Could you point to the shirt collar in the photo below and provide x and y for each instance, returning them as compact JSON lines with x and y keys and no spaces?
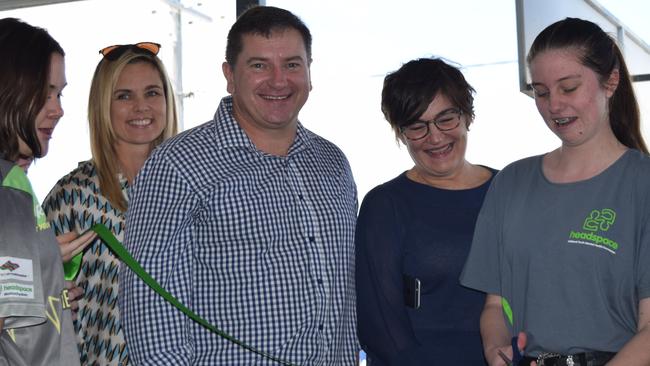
{"x":229,"y":134}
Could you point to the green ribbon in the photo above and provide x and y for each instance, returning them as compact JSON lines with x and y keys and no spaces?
{"x":507,"y":309}
{"x":71,"y":268}
{"x":126,"y":258}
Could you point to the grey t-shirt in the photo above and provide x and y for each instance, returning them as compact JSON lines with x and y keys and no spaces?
{"x":38,"y":328}
{"x":572,"y":260}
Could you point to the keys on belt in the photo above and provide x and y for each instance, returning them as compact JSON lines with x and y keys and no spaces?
{"x":580,"y":359}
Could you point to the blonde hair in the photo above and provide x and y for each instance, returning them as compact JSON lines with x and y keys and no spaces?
{"x":102,"y":136}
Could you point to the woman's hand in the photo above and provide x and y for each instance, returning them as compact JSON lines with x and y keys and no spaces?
{"x":72,"y":244}
{"x":74,"y":294}
{"x":502,"y":356}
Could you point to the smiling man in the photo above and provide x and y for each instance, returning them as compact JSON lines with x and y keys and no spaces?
{"x":248,"y":219}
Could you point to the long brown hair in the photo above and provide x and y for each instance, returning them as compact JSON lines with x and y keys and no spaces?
{"x":25,"y":52}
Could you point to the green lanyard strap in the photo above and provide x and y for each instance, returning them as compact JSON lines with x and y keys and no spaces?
{"x":121,"y":252}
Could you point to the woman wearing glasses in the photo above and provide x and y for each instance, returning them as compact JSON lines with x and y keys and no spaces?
{"x":131,"y":110}
{"x":414,"y":232}
{"x":562,"y":244}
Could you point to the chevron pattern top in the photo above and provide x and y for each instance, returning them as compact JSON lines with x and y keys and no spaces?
{"x":76,"y":203}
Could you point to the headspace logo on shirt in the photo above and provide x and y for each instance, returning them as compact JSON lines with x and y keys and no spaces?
{"x":12,"y":268}
{"x":597,"y":220}
{"x":14,"y":289}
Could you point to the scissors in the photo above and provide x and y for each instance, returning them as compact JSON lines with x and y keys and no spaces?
{"x":505,"y":358}
{"x":517,"y":356}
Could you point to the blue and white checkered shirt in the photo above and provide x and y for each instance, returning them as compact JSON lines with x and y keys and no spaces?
{"x":261,"y":246}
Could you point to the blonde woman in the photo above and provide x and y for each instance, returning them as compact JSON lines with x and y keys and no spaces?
{"x":131,"y":110}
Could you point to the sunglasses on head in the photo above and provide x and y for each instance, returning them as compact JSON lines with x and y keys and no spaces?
{"x":114,"y":52}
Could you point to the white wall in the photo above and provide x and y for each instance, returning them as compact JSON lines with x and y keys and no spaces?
{"x":355,"y":44}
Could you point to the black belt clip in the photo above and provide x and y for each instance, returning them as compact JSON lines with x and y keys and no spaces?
{"x":579,"y":359}
{"x":556,"y":359}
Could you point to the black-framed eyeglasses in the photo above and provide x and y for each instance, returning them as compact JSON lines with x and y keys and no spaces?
{"x":114,"y":52}
{"x":446,"y":121}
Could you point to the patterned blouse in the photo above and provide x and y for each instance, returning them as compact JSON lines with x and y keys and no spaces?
{"x":76,"y":203}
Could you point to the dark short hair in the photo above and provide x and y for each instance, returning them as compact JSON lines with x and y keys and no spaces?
{"x":263,"y":20}
{"x":25,"y":52}
{"x":408,"y":91}
{"x":598,"y":51}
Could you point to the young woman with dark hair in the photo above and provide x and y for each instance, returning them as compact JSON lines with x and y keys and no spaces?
{"x":35,"y":309}
{"x":562,"y":246}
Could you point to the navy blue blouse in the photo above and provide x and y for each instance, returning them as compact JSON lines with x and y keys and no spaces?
{"x":408,"y":228}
